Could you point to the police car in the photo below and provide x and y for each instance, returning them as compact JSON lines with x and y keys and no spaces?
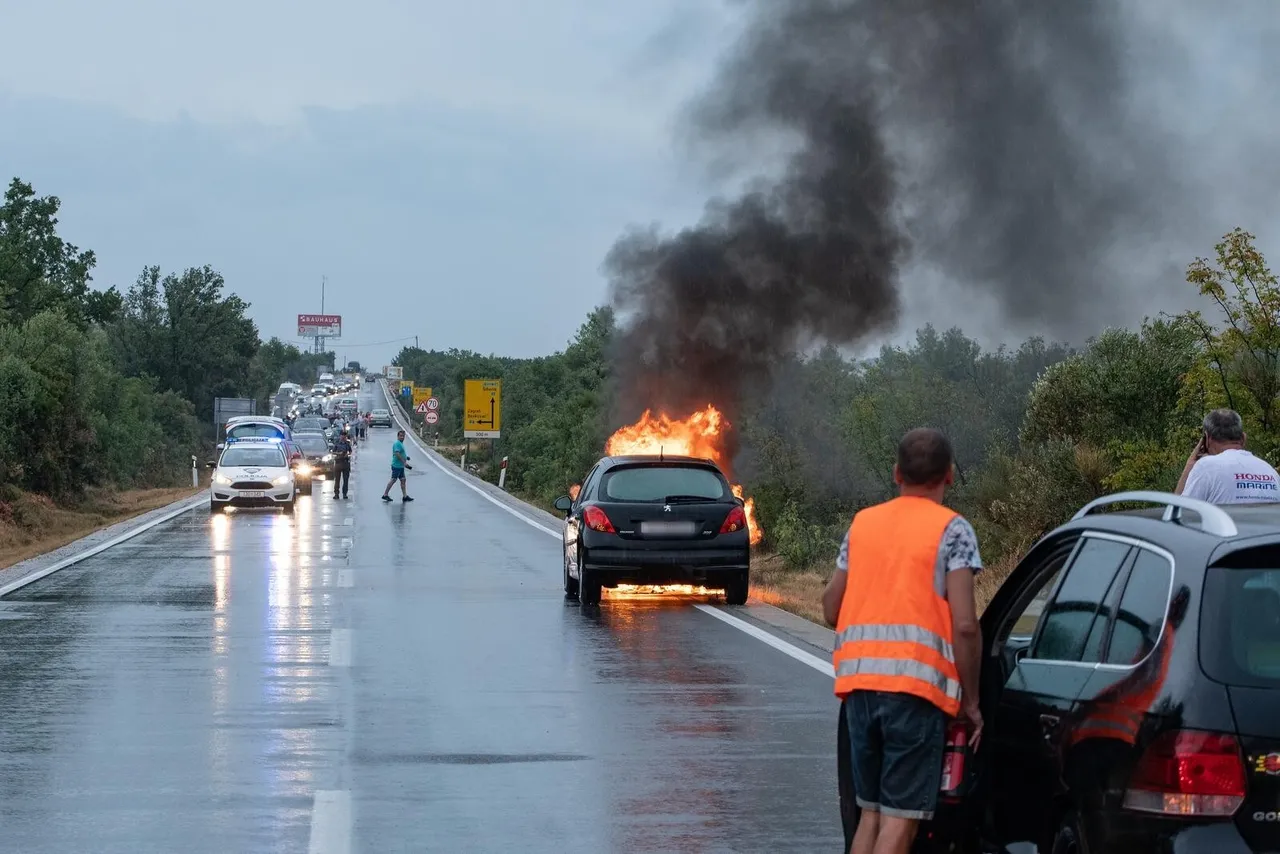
{"x":252,"y":472}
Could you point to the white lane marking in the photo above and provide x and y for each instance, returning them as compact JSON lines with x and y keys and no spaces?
{"x":340,"y":648}
{"x":346,"y":542}
{"x":347,"y":522}
{"x":819,"y":664}
{"x":330,"y":822}
{"x":101,"y":547}
{"x":346,"y":578}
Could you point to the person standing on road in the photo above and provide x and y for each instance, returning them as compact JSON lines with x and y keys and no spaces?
{"x":341,"y":464}
{"x":399,"y":462}
{"x":908,"y":643}
{"x":1221,"y":471}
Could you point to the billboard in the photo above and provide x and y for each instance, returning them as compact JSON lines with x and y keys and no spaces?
{"x":393,"y":372}
{"x":327,"y":325}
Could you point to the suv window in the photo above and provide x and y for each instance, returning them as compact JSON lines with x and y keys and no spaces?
{"x":1068,"y":624}
{"x":656,"y":483}
{"x":1240,"y":620}
{"x":1142,"y":610}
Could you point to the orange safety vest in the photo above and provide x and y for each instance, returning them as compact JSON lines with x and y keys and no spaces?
{"x":894,"y":632}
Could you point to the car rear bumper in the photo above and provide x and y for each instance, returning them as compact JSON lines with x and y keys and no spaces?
{"x":666,"y":566}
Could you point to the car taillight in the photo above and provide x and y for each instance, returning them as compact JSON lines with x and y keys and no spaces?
{"x":735,"y":521}
{"x":1189,"y":773}
{"x":596,"y":520}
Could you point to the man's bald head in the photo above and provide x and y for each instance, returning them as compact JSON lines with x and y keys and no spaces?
{"x":924,"y":457}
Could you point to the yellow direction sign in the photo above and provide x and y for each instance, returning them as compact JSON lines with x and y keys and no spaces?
{"x":482,"y":409}
{"x":420,"y":395}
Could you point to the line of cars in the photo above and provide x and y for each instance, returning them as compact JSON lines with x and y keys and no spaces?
{"x":266,"y":461}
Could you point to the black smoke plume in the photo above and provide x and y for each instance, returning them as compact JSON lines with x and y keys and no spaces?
{"x":994,"y":141}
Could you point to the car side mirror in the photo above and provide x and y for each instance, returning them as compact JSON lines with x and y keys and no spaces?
{"x":211,"y":464}
{"x":564,"y":504}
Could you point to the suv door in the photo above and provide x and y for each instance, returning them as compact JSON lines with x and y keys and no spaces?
{"x":1051,"y":650}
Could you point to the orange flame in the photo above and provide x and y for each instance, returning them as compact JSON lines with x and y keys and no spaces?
{"x":699,"y":435}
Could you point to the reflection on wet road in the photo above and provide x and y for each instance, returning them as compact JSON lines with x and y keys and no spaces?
{"x":386,"y":678}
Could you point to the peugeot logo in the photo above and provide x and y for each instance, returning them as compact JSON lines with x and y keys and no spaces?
{"x":666,"y":508}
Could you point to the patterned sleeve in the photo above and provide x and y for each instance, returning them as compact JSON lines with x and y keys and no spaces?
{"x":960,"y":546}
{"x":842,"y":559}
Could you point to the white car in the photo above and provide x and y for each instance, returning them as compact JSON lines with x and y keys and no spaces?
{"x":252,"y":472}
{"x":380,"y":418}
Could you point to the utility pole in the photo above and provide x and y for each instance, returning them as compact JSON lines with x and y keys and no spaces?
{"x":320,"y":338}
{"x":415,"y":342}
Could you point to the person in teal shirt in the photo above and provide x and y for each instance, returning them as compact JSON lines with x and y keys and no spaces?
{"x":399,"y":462}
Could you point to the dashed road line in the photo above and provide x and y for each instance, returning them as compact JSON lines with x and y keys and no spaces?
{"x":330,"y":822}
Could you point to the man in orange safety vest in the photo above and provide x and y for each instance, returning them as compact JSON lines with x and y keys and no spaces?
{"x":908,"y":646}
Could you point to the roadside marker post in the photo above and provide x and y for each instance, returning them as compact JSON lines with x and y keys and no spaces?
{"x":502,"y":474}
{"x":195,"y":473}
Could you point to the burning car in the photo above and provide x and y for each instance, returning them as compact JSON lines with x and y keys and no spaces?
{"x":655,"y":520}
{"x":659,"y":509}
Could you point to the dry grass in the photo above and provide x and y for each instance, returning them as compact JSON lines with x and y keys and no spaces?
{"x":796,"y":590}
{"x":800,"y":590}
{"x":32,"y":525}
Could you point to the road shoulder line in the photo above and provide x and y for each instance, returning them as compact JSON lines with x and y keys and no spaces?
{"x":32,"y":570}
{"x":792,"y":635}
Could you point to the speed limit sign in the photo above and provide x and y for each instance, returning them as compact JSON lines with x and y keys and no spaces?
{"x":431,"y":418}
{"x":433,"y":403}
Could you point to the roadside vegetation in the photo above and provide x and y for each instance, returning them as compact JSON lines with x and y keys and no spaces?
{"x":1039,"y":428}
{"x":104,"y":392}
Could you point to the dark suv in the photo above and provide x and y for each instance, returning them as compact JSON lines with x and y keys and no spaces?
{"x":655,"y":520}
{"x":1130,"y":689}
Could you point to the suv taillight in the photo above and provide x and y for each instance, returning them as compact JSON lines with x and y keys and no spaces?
{"x":595,"y":519}
{"x":735,"y":521}
{"x":1189,"y":773}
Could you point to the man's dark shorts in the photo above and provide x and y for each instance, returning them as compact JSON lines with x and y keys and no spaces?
{"x":896,"y":741}
{"x":397,"y":473}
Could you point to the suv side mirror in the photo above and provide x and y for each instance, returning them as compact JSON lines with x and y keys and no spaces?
{"x":211,"y":464}
{"x":564,"y":504}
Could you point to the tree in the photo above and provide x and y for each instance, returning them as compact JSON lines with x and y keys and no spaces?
{"x":183,"y":331}
{"x":39,"y":270}
{"x":1239,"y":362}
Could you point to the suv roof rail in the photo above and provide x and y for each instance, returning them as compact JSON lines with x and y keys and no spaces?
{"x":1213,"y":519}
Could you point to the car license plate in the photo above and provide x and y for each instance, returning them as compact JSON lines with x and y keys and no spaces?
{"x":253,"y":494}
{"x":667,"y":529}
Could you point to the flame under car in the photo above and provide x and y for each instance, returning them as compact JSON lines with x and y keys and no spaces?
{"x":655,"y":520}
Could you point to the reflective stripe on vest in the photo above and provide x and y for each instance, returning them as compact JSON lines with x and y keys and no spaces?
{"x":894,"y":630}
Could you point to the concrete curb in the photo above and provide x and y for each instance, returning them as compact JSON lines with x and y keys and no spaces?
{"x":33,"y":569}
{"x":795,"y":628}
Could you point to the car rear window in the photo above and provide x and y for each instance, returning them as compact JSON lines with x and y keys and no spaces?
{"x":1240,"y":623}
{"x":658,"y":483}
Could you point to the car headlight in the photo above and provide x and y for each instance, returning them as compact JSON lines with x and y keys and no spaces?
{"x":222,"y":479}
{"x":283,"y":480}
{"x":328,"y":458}
{"x":305,"y":468}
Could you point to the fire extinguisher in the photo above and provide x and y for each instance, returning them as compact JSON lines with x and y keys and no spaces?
{"x":954,"y":756}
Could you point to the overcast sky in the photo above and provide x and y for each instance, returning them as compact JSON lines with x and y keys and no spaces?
{"x":459,"y":170}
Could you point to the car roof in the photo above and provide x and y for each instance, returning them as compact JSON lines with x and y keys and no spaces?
{"x":629,"y":459}
{"x":1182,"y":522}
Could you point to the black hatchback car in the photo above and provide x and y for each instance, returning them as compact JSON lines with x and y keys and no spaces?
{"x":1130,"y":689}
{"x":652,"y":520}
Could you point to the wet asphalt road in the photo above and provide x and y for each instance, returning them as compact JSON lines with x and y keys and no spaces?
{"x":391,"y":678}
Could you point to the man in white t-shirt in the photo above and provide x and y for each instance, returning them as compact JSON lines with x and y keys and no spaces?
{"x":1221,"y":471}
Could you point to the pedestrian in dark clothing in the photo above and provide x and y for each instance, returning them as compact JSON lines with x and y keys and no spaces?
{"x":341,"y":465}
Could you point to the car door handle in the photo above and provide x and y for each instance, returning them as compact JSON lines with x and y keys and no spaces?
{"x":1049,"y":726}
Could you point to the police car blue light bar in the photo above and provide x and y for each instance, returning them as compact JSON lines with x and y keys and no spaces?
{"x":255,"y":439}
